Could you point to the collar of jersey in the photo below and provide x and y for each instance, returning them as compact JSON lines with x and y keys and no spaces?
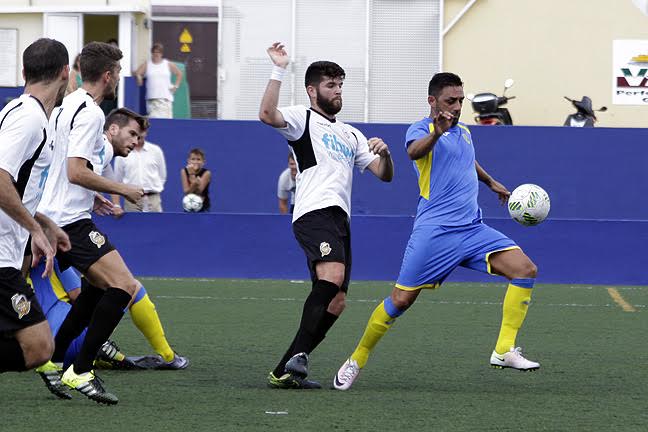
{"x":315,"y":111}
{"x":39,"y":103}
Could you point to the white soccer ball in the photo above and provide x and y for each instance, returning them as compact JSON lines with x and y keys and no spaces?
{"x":529,"y":204}
{"x":192,"y":203}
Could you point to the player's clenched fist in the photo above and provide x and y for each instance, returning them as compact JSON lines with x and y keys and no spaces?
{"x":378,"y":146}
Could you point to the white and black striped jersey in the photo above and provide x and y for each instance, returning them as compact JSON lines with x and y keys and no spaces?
{"x":78,"y":125}
{"x":326,"y":152}
{"x":25,"y":153}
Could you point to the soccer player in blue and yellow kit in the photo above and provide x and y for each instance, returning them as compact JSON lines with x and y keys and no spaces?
{"x":449,"y":231}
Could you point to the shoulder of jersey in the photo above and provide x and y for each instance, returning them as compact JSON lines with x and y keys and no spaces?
{"x":463,"y":126}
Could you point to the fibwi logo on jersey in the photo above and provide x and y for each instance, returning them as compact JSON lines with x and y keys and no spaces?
{"x":337,"y":149}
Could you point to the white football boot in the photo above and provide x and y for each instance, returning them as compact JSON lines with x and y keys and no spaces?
{"x":346,"y":375}
{"x":514,"y":360}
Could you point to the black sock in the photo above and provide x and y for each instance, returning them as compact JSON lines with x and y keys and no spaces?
{"x":12,"y":358}
{"x":77,"y":319}
{"x":314,"y":310}
{"x":280,"y":369}
{"x":325,"y":324}
{"x":107,"y":315}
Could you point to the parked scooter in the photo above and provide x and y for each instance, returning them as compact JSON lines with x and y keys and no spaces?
{"x":488,"y":107}
{"x":584,"y":115}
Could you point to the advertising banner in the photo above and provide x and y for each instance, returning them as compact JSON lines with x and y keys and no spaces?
{"x":630,"y":72}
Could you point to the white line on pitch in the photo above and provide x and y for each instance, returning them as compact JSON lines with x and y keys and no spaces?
{"x":291,"y":299}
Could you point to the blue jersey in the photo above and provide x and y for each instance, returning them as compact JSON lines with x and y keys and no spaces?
{"x":447,"y":177}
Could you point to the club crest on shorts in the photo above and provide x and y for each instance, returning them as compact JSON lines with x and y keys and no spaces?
{"x":21,"y":305}
{"x":325,"y":249}
{"x":97,"y":238}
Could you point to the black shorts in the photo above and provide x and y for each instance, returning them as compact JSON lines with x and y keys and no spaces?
{"x":325,"y":235}
{"x":88,"y":245}
{"x":19,"y":307}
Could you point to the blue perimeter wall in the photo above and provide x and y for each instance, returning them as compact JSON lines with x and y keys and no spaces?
{"x":589,"y":173}
{"x":597,"y":232}
{"x":262,"y":246}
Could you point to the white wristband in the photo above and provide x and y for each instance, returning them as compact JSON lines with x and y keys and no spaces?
{"x":277,"y":73}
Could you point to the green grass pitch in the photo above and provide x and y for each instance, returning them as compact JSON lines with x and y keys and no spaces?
{"x":429,"y":373}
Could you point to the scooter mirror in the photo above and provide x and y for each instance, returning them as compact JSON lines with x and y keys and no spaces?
{"x":603,"y":109}
{"x":470,"y":96}
{"x":509,"y":83}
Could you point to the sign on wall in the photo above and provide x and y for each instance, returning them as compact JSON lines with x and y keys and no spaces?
{"x":8,"y":57}
{"x":630,"y":72}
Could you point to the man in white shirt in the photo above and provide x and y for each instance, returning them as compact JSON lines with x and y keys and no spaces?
{"x":159,"y":90}
{"x":326,"y":151}
{"x":145,"y":167}
{"x":69,"y":198}
{"x":286,"y":186}
{"x":25,"y":155}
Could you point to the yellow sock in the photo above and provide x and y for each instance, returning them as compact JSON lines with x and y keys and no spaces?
{"x":146,"y":319}
{"x":379,"y":322}
{"x":516,"y":303}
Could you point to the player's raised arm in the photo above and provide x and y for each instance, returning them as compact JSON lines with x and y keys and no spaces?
{"x":268,"y":112}
{"x":419,"y":148}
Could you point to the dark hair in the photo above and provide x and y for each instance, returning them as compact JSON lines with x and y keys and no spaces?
{"x":197,"y":151}
{"x":157,"y":46}
{"x":291,"y":156}
{"x":320,"y":69}
{"x":44,"y":60}
{"x":122,"y":116}
{"x":112,"y":41}
{"x":97,"y":58}
{"x":442,"y":80}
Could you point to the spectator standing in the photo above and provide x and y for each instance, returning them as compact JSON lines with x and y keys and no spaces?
{"x":159,"y":90}
{"x":286,"y":186}
{"x":145,"y":167}
{"x":196,"y":178}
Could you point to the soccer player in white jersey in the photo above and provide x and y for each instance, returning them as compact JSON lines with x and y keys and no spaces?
{"x":326,"y":151}
{"x":25,"y":156}
{"x":69,"y":198}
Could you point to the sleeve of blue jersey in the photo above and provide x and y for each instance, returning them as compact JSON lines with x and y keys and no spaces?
{"x":416,"y":131}
{"x":69,"y":278}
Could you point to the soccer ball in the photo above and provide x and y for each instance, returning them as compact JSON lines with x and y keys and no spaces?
{"x":529,"y":204}
{"x":192,"y":203}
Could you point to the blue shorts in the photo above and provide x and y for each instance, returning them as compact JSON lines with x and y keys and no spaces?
{"x":434,"y":251}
